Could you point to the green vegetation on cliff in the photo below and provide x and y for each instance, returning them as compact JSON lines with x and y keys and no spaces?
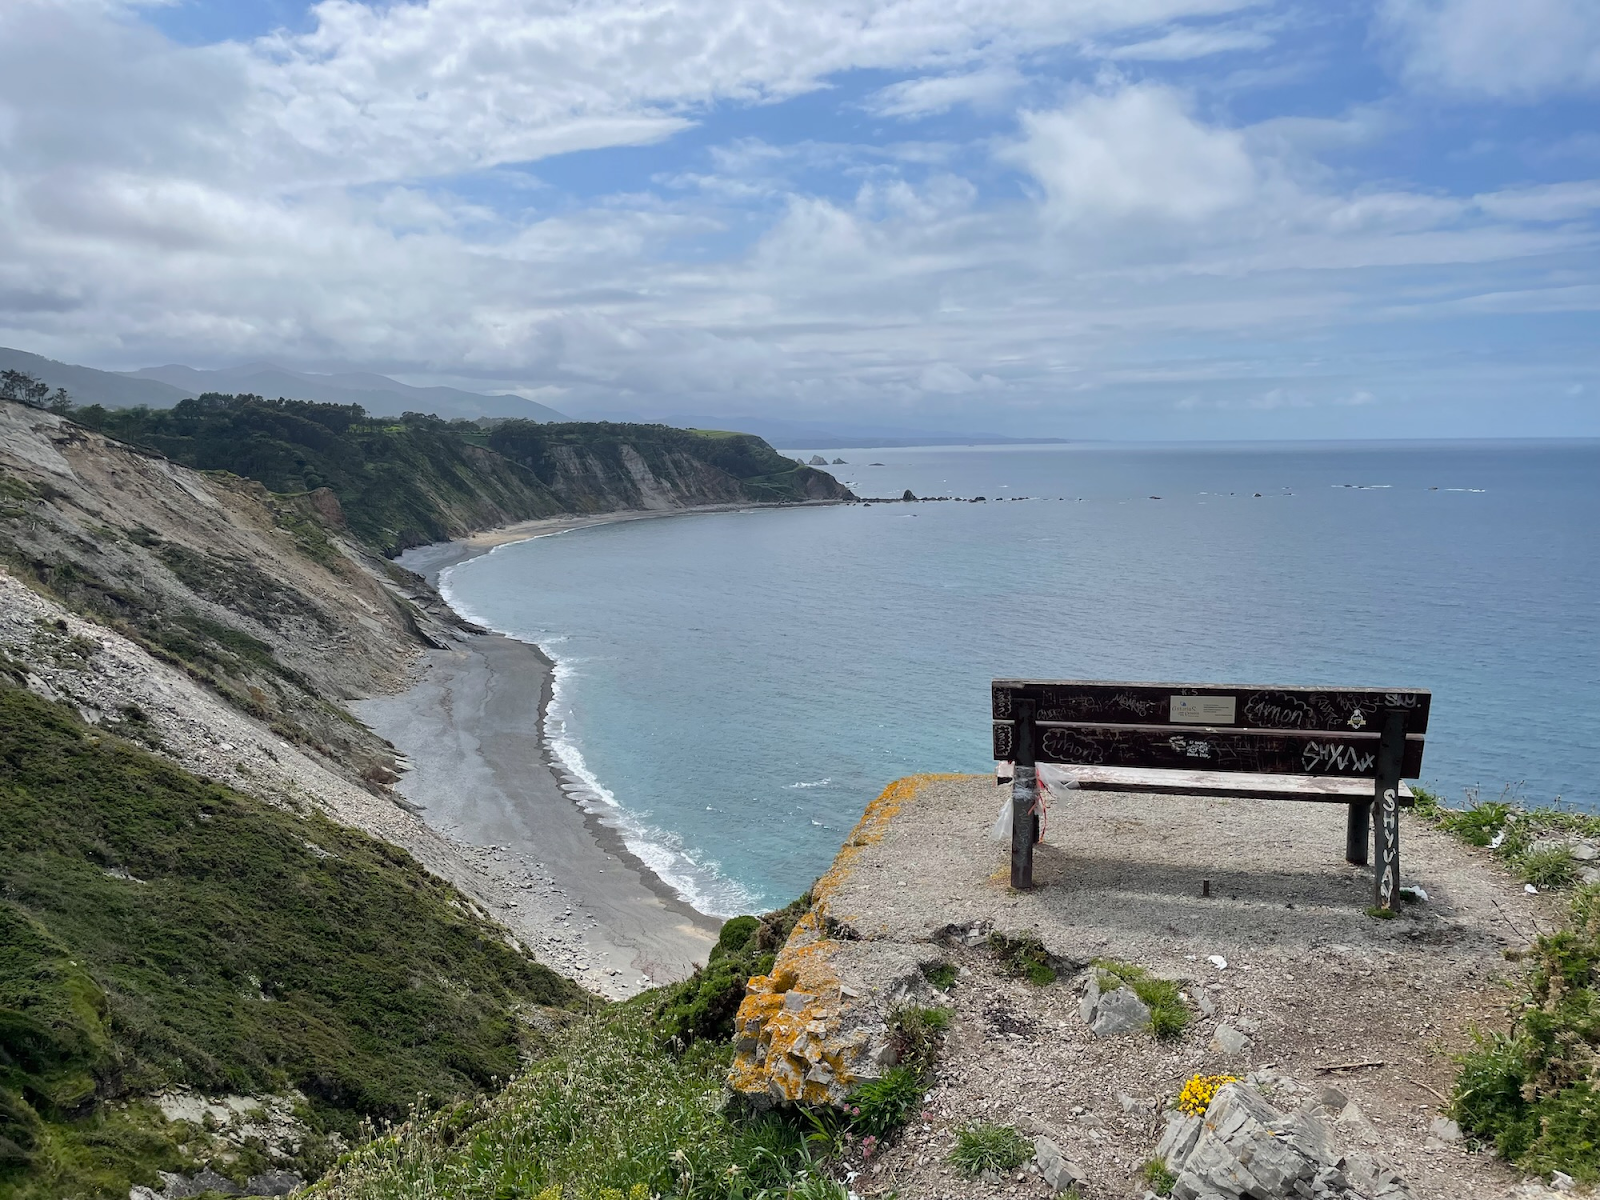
{"x":420,"y":479}
{"x":158,"y":930}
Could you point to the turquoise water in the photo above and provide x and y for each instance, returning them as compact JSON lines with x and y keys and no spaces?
{"x":735,"y":687}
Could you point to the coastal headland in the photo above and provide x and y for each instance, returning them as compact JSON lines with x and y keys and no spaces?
{"x":1282,"y":976}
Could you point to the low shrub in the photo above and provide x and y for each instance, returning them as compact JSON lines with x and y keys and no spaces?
{"x":984,"y":1147}
{"x":703,"y":1006}
{"x":917,"y":1033}
{"x":941,"y":974}
{"x":1200,"y":1090}
{"x":880,"y":1108}
{"x":1023,"y":957}
{"x":1529,"y":1093}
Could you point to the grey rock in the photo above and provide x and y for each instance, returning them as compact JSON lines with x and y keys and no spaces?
{"x":1585,"y":852}
{"x":1247,"y":1148}
{"x":1445,"y":1130}
{"x":1178,"y":1139}
{"x":1354,"y":1123}
{"x":1134,"y":1106}
{"x":1057,"y":1169}
{"x":1230,"y":1041}
{"x":1119,"y":1011}
{"x":136,"y":1192}
{"x":177,"y":1187}
{"x":1561,"y":1181}
{"x":273,"y":1183}
{"x":1589,"y":875}
{"x":209,"y":1181}
{"x":1090,"y":1001}
{"x":1206,"y":1005}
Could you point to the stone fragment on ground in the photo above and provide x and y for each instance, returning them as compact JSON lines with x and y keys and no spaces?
{"x":1230,"y":1042}
{"x":1109,"y":1013}
{"x":1246,"y":1148}
{"x":1055,"y":1168}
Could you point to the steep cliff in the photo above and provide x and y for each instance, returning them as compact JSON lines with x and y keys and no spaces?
{"x":419,"y":479}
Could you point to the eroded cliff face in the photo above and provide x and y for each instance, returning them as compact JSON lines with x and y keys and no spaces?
{"x":260,"y":598}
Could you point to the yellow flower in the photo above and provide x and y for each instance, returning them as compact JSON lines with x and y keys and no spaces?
{"x":1198,"y":1093}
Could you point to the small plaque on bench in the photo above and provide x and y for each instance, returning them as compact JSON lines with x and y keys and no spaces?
{"x":1202,"y":710}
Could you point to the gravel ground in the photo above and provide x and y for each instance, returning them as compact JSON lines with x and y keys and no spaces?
{"x":1311,"y":980}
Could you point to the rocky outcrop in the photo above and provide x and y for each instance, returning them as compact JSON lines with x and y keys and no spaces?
{"x":814,"y":1026}
{"x":1245,"y":1149}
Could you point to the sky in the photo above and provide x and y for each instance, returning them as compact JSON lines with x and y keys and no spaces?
{"x":1147,"y":219}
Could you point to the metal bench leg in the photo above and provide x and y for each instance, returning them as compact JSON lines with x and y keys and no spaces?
{"x":1356,"y":827}
{"x":1386,"y":809}
{"x":1024,"y":796}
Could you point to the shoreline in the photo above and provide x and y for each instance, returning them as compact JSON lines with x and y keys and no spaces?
{"x":464,"y":727}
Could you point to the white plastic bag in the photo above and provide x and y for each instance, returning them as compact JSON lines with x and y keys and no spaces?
{"x":1053,"y":778}
{"x":1001,"y":831}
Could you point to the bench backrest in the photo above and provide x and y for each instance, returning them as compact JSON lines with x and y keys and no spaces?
{"x":1211,"y":727}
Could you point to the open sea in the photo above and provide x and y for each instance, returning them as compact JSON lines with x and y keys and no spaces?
{"x":734,"y":688}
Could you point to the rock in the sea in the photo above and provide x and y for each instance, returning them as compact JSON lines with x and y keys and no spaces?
{"x":839,"y":462}
{"x":1248,"y":1149}
{"x":817,"y":461}
{"x":908,"y":495}
{"x":1055,"y":1168}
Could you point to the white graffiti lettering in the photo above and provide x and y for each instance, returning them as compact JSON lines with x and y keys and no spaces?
{"x":1320,"y":757}
{"x":1190,"y":748}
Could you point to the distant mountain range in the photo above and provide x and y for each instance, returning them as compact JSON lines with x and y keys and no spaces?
{"x":163,"y":387}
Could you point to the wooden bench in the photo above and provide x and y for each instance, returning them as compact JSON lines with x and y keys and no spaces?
{"x":1350,"y":746}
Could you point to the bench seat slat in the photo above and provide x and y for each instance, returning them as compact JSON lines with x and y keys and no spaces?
{"x":1314,"y":788}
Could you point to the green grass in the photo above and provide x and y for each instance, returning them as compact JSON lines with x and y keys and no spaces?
{"x":605,"y":1110}
{"x":942,"y":975}
{"x":984,"y":1147}
{"x":1023,"y":956}
{"x":1169,"y":1015}
{"x":881,"y":1107}
{"x":236,"y":959}
{"x":1513,"y":832}
{"x":1157,"y":1177}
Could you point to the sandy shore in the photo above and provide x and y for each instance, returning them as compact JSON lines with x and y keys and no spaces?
{"x":472,"y":728}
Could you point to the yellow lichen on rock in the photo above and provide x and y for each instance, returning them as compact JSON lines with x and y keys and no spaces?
{"x":798,"y":1035}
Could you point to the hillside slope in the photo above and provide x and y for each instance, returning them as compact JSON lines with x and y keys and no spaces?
{"x":159,"y":931}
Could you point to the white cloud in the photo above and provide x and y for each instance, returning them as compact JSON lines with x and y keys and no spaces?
{"x":322,"y":200}
{"x":1136,"y":153}
{"x":1544,"y":202}
{"x":1182,"y":44}
{"x":1516,"y":49}
{"x":939,"y":93}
